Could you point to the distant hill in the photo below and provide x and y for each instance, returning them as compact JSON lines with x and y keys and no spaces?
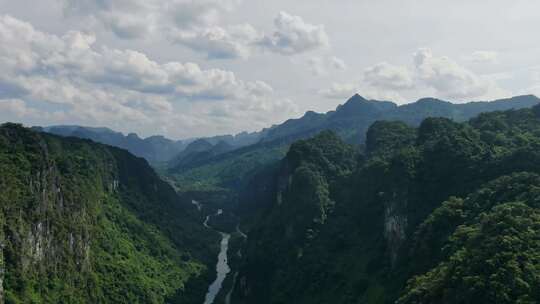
{"x":155,"y":149}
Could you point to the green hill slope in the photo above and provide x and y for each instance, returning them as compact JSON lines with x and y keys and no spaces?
{"x":87,"y":223}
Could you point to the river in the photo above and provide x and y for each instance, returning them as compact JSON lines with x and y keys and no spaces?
{"x":222,"y":267}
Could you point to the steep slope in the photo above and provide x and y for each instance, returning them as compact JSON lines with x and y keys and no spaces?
{"x":446,"y":213}
{"x":88,"y":223}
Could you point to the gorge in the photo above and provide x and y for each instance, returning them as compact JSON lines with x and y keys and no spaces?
{"x":370,"y":222}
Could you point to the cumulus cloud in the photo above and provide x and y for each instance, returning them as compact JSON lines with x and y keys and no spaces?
{"x":127,"y":19}
{"x":389,"y":76}
{"x":130,"y":19}
{"x":101,"y":85}
{"x":293,"y":36}
{"x":428,"y":75}
{"x":447,"y":77}
{"x":195,"y":24}
{"x":197,"y":13}
{"x":220,"y":43}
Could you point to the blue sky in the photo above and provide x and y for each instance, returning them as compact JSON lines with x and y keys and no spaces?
{"x":186,"y":68}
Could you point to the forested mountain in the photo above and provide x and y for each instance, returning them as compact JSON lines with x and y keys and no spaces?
{"x":88,"y":223}
{"x":350,"y":121}
{"x":155,"y":149}
{"x":199,"y":151}
{"x":444,"y":213}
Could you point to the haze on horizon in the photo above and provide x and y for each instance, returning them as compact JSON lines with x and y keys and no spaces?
{"x":190,"y":68}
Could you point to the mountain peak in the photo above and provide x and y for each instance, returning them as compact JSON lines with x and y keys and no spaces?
{"x":356,"y":98}
{"x":358,"y":105}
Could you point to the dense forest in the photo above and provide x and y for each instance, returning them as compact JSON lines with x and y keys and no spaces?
{"x":87,"y":223}
{"x":444,"y":213}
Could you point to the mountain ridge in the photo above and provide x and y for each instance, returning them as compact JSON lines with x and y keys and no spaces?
{"x":218,"y":170}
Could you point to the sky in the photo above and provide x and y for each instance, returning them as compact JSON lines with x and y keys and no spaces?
{"x":191,"y":68}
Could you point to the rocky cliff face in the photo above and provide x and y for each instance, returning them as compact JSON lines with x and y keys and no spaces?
{"x":78,"y":227}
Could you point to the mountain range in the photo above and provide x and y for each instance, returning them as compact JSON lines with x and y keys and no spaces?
{"x":155,"y":149}
{"x":233,"y":169}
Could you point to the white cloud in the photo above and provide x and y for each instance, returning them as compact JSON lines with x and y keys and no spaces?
{"x":130,"y":19}
{"x":338,"y":63}
{"x":384,"y":75}
{"x":293,"y":36}
{"x":428,"y":76}
{"x":127,"y":19}
{"x":197,"y":13}
{"x":101,"y":85}
{"x":196,"y":25}
{"x":12,"y":107}
{"x":319,"y":66}
{"x":220,"y":43}
{"x":489,"y":57}
{"x":448,"y":78}
{"x":339,"y":90}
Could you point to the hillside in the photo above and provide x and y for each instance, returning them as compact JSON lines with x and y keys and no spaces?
{"x":444,"y":213}
{"x":88,"y":223}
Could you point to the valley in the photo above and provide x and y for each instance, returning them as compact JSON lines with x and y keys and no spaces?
{"x":321,"y":208}
{"x":269,"y":152}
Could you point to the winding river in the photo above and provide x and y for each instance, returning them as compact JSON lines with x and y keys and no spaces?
{"x":222,"y":267}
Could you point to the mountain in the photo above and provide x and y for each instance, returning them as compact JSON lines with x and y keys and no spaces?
{"x":198,"y":152}
{"x":155,"y":149}
{"x":88,"y":223}
{"x":445,"y":212}
{"x":350,"y":121}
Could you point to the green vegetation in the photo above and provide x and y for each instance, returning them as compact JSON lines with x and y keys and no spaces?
{"x":232,"y":171}
{"x":87,"y":223}
{"x":228,"y":171}
{"x":445,"y":213}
